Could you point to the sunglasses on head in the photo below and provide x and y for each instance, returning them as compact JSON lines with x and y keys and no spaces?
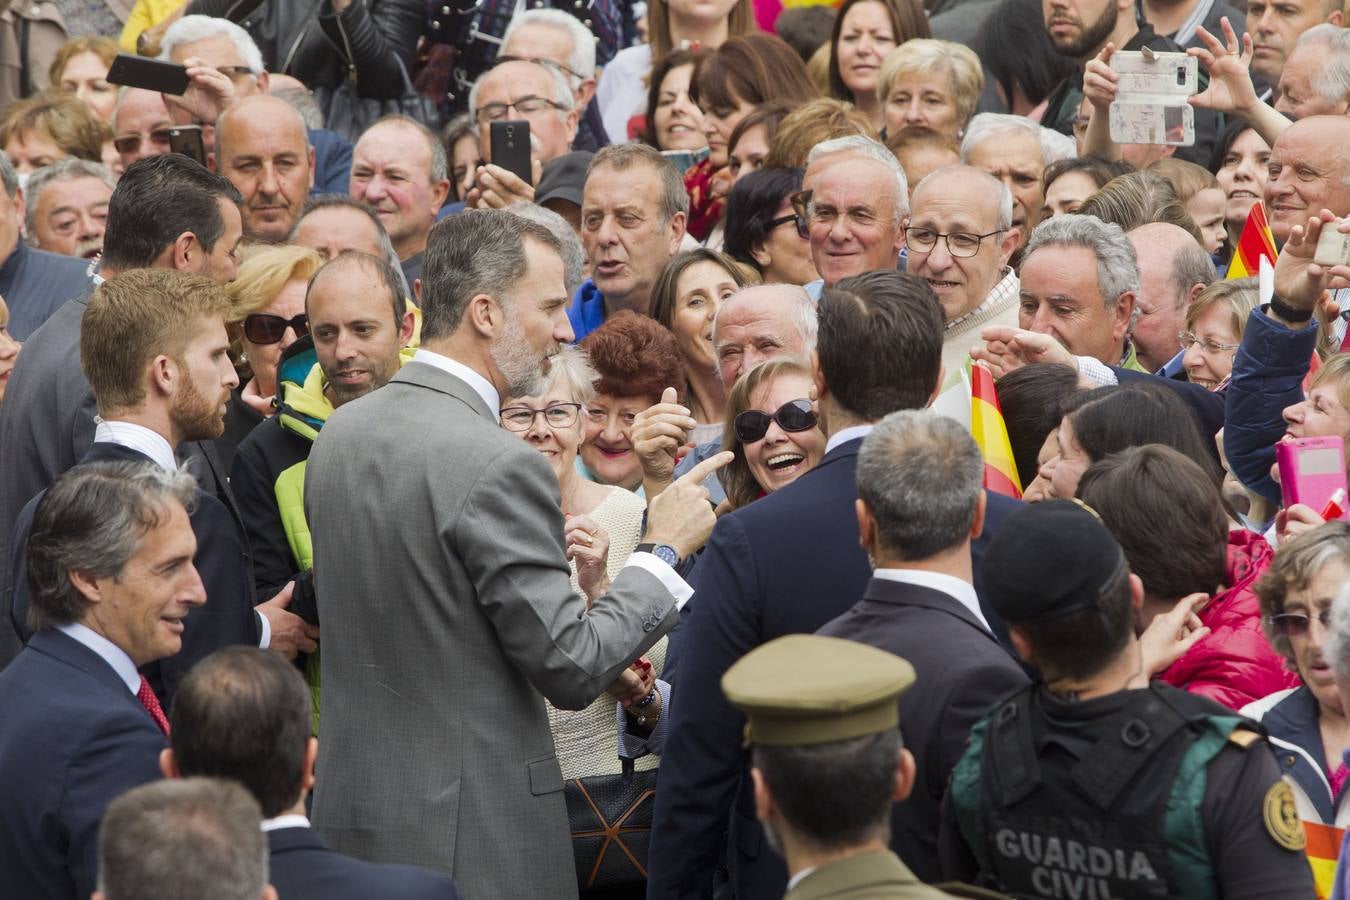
{"x":130,"y":143}
{"x":795,"y":415}
{"x":265,"y":328}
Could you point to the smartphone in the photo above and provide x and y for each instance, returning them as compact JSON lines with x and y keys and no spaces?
{"x":148,"y":74}
{"x":511,"y":148}
{"x":1311,"y":470}
{"x":187,"y":140}
{"x":1333,"y":247}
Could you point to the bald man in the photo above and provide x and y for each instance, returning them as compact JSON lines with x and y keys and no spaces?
{"x":1173,"y":270}
{"x":1309,"y":172}
{"x":262,"y":148}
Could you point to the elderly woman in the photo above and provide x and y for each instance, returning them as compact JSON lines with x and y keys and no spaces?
{"x":763,"y":231}
{"x":48,"y":127}
{"x":1215,"y":321}
{"x":685,"y":299}
{"x":772,"y":427}
{"x":637,"y":360}
{"x":267,"y":315}
{"x":9,"y":349}
{"x":1308,"y":726}
{"x":931,"y":83}
{"x":865,"y":31}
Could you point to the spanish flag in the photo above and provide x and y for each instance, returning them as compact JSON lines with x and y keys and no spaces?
{"x":991,"y":434}
{"x":1323,"y":848}
{"x":1255,"y":242}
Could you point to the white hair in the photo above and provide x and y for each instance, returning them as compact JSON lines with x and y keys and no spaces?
{"x":562,"y":92}
{"x":1117,"y":262}
{"x":572,"y":253}
{"x":1331,"y":80}
{"x":863,"y":145}
{"x":190,"y":29}
{"x":582,"y":57}
{"x":1002,"y":196}
{"x":68,"y":169}
{"x":1054,"y":146}
{"x":798,"y":304}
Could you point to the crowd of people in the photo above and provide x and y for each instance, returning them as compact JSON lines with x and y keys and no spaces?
{"x":616,"y":518}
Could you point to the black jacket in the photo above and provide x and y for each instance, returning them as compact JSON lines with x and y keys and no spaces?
{"x":301,"y":38}
{"x":302,"y":867}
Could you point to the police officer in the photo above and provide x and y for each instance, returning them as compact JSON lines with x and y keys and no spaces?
{"x":822,"y":716}
{"x":1093,"y":783}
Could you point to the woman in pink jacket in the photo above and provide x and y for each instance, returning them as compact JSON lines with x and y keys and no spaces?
{"x":1169,"y":517}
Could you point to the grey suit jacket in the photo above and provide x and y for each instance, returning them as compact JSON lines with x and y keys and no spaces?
{"x":448,"y":617}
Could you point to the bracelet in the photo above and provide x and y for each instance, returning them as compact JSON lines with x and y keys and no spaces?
{"x":1287,"y":312}
{"x":643,"y":720}
{"x":646,"y":701}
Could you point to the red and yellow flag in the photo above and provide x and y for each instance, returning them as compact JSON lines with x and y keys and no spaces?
{"x":1255,"y":242}
{"x":1324,"y":846}
{"x":991,"y":434}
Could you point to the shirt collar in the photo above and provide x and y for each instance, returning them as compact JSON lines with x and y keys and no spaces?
{"x":1007,"y":285}
{"x":481,"y":386}
{"x":962,"y":592}
{"x":109,"y":652}
{"x":848,"y":434}
{"x":138,"y":438}
{"x":797,"y":879}
{"x":295,"y":820}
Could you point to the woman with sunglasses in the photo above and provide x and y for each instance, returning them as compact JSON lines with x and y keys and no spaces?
{"x":772,"y":428}
{"x":268,"y":315}
{"x":1309,"y":728}
{"x":763,"y":231}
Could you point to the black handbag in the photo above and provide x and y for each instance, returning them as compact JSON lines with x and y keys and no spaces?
{"x":610,"y":818}
{"x":349,"y":114}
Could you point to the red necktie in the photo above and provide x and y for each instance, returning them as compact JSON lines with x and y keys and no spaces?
{"x":151,"y":704}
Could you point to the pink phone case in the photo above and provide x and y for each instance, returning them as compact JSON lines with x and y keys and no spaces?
{"x":1311,"y":470}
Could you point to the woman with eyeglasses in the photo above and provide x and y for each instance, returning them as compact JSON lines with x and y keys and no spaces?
{"x":763,"y":231}
{"x":1308,"y":725}
{"x":772,"y":427}
{"x":1214,"y":324}
{"x":268,"y":315}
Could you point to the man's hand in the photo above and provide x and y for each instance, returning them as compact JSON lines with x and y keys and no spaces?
{"x":154,"y":35}
{"x":659,"y":433}
{"x":1170,"y":635}
{"x":1229,"y":66}
{"x":209,"y":92}
{"x":1100,"y":80}
{"x":682,"y":516}
{"x":1008,"y":349}
{"x":290,"y":633}
{"x":497,"y":188}
{"x":588,"y":547}
{"x":1300,"y":282}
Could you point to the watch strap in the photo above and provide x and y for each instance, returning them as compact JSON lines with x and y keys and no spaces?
{"x":1287,"y":312}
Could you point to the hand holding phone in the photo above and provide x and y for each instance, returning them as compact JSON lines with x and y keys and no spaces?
{"x":1333,"y":246}
{"x":511,"y":148}
{"x":148,"y":74}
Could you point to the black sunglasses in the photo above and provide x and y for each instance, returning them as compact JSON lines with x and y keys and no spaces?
{"x":265,"y":328}
{"x":802,"y":231}
{"x":130,"y":143}
{"x":795,"y":415}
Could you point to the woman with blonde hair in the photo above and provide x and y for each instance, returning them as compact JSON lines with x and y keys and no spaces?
{"x":49,"y":127}
{"x":1215,"y":321}
{"x":772,"y":427}
{"x":80,"y":67}
{"x":931,"y":83}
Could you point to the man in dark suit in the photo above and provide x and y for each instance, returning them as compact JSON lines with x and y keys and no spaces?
{"x":166,"y":213}
{"x":154,"y":348}
{"x":789,"y":562}
{"x":919,"y":507}
{"x":244,"y":714}
{"x":110,"y":564}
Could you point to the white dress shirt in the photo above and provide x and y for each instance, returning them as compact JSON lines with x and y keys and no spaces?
{"x":109,"y":652}
{"x":848,"y":434}
{"x":677,"y":586}
{"x":294,"y":820}
{"x":963,"y":592}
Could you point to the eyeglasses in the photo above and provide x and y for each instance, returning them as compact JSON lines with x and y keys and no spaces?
{"x":802,"y":231}
{"x":553,"y":64}
{"x":1212,"y":347}
{"x":234,"y":73}
{"x":130,"y":143}
{"x":526,"y":106}
{"x":1296,"y":624}
{"x":557,"y":415}
{"x":960,"y":244}
{"x":793,"y":416}
{"x":265,"y":328}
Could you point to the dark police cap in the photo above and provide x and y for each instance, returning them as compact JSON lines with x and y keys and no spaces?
{"x":1050,"y":559}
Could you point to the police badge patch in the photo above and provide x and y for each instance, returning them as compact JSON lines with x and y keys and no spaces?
{"x":1281,"y":815}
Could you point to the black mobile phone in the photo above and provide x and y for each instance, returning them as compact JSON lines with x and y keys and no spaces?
{"x":187,"y":140}
{"x":148,"y":74}
{"x":511,"y":148}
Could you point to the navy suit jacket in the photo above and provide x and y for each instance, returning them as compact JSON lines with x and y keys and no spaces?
{"x":72,"y":738}
{"x":962,"y":671}
{"x":225,"y":619}
{"x":302,"y":867}
{"x":787,"y":563}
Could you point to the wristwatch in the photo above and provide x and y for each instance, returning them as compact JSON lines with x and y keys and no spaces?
{"x":664,"y":552}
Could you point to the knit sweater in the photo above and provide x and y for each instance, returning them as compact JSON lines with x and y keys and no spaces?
{"x":999,"y":308}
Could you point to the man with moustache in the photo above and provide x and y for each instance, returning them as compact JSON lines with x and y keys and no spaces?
{"x":452,"y":683}
{"x":154,"y":348}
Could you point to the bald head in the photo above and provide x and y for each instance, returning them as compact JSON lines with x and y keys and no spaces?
{"x":1173,"y":269}
{"x":762,"y":322}
{"x":1309,"y":172}
{"x":263,"y":148}
{"x":857,"y":205}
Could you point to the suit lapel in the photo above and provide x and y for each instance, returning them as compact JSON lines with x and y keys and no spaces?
{"x":883,"y":590}
{"x":53,"y":643}
{"x":429,"y":376}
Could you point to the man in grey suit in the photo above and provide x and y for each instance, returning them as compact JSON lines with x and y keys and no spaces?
{"x":443,"y":586}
